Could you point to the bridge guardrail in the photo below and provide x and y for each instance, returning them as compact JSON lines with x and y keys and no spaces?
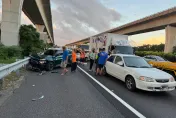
{"x":7,"y":69}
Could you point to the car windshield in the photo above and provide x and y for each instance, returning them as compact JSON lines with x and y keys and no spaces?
{"x":160,"y":58}
{"x":123,"y":50}
{"x":52,"y":52}
{"x":85,"y":47}
{"x":136,"y":62}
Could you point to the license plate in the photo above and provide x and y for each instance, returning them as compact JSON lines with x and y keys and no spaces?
{"x":164,"y":86}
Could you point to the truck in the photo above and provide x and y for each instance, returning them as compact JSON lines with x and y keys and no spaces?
{"x":112,"y":43}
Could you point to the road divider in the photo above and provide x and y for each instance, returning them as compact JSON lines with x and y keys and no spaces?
{"x":7,"y":69}
{"x":134,"y":111}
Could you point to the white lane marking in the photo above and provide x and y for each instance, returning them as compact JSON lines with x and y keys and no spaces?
{"x":115,"y":96}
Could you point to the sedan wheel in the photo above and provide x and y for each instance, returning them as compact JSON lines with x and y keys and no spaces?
{"x":29,"y":66}
{"x":104,"y":71}
{"x":50,"y":66}
{"x":130,"y":83}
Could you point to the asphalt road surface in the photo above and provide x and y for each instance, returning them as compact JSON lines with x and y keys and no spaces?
{"x":150,"y":104}
{"x":69,"y":96}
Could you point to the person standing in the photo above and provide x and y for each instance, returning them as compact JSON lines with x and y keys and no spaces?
{"x":82,"y":55}
{"x":92,"y":59}
{"x":101,"y":61}
{"x":96,"y":61}
{"x":74,"y":63}
{"x":64,"y":60}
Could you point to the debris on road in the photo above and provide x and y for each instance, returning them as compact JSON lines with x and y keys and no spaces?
{"x":41,"y":97}
{"x":33,"y":85}
{"x":55,"y":72}
{"x":35,"y":99}
{"x":42,"y":73}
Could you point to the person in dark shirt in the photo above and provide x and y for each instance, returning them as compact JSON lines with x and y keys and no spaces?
{"x":96,"y":62}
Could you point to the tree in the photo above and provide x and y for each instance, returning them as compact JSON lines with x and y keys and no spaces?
{"x":50,"y":45}
{"x":174,"y":49}
{"x":29,"y":40}
{"x":159,"y":48}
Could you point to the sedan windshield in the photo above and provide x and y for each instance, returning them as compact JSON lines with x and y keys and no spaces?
{"x":136,"y":62}
{"x":160,"y":58}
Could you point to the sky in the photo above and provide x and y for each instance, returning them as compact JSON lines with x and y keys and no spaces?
{"x":78,"y":19}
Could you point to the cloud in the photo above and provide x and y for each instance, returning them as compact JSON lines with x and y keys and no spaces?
{"x":78,"y":19}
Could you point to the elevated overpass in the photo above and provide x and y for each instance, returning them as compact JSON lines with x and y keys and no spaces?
{"x":38,"y":11}
{"x":162,"y":20}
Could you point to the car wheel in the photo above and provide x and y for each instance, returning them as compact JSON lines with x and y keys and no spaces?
{"x":50,"y":66}
{"x":104,"y":71}
{"x":130,"y":83}
{"x":29,"y":66}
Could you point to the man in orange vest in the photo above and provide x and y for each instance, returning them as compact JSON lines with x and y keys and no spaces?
{"x":82,"y":56}
{"x":74,"y":64}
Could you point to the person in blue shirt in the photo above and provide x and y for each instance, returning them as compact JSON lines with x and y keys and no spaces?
{"x":101,"y":61}
{"x":64,"y":60}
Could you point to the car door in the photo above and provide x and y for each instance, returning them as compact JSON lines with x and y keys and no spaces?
{"x":119,"y":69}
{"x":109,"y":65}
{"x":69,"y":57}
{"x":58,"y":58}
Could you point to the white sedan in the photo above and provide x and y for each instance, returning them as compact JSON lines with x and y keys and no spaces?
{"x":137,"y":73}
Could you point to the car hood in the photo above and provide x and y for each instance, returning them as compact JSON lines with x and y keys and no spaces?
{"x":151,"y":72}
{"x":41,"y":56}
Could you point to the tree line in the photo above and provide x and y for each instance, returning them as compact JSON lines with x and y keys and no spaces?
{"x":148,"y":47}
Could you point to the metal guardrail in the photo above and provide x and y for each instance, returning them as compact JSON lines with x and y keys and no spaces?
{"x":7,"y":69}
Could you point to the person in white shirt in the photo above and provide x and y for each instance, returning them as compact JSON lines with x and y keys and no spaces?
{"x":92,"y":59}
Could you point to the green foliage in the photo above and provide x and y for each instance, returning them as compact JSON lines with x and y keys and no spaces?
{"x":159,"y":47}
{"x":174,"y":49}
{"x":7,"y":52}
{"x":29,"y":40}
{"x":29,"y":43}
{"x":168,"y":56}
{"x":49,"y":45}
{"x":8,"y":61}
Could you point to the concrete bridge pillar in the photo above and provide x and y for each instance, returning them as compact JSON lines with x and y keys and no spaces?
{"x":49,"y":41}
{"x":40,"y":29}
{"x":170,"y":40}
{"x":11,"y":21}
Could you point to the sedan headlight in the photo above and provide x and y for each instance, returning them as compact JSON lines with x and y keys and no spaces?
{"x":172,"y":79}
{"x":42,"y":61}
{"x":147,"y":79}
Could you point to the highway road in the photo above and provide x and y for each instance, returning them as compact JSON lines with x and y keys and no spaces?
{"x":150,"y":104}
{"x":77,"y":95}
{"x":69,"y":96}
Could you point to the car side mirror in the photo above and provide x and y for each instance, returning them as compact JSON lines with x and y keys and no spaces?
{"x":120,"y":63}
